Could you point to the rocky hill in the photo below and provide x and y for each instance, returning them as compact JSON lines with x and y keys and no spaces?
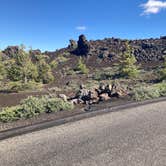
{"x":145,"y":50}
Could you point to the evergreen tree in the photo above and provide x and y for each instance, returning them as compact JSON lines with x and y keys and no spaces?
{"x":2,"y":69}
{"x":22,"y":68}
{"x":44,"y":71}
{"x":162,"y":72}
{"x":127,"y":63}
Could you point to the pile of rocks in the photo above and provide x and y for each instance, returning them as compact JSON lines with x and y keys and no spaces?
{"x":102,"y":93}
{"x":144,"y":50}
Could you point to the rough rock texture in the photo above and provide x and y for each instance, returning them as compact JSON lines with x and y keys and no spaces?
{"x":72,"y":45}
{"x":83,"y":47}
{"x":11,"y":51}
{"x":145,"y":50}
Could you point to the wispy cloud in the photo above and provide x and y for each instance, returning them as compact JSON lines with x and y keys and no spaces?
{"x":153,"y":7}
{"x":81,"y":28}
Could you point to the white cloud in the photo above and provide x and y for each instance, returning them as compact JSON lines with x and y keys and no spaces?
{"x":153,"y":7}
{"x":81,"y":28}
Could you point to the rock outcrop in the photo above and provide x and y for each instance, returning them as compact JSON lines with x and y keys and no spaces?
{"x":11,"y":51}
{"x":83,"y":46}
{"x":145,"y":50}
{"x":73,"y":45}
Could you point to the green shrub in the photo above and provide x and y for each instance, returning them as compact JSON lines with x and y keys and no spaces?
{"x":10,"y":114}
{"x":54,"y":64}
{"x":22,"y":68}
{"x":14,"y":73}
{"x":61,"y":59}
{"x":99,"y":76}
{"x":162,"y":72}
{"x":45,"y":73}
{"x":70,"y":72}
{"x":20,"y":86}
{"x":161,"y":87}
{"x":33,"y":106}
{"x":2,"y":69}
{"x":81,"y":67}
{"x":47,"y":78}
{"x":149,"y":92}
{"x":56,"y":104}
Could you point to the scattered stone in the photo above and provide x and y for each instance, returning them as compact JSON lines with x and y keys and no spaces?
{"x":63,"y":97}
{"x":104,"y":97}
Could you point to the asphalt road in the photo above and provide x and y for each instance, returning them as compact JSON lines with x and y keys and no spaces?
{"x":134,"y":137}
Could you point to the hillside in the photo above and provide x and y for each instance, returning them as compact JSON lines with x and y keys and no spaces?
{"x":145,"y":50}
{"x":84,"y":72}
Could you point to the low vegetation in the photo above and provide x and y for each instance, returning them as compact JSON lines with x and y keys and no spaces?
{"x":81,"y":67}
{"x":34,"y":106}
{"x":22,"y":71}
{"x":149,"y":92}
{"x":63,"y":72}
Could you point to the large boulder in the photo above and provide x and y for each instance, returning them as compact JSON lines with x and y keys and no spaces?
{"x":83,"y":46}
{"x":72,"y":45}
{"x":104,"y":97}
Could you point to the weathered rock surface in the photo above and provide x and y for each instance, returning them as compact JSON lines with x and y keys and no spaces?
{"x":72,"y":44}
{"x":83,"y":46}
{"x":11,"y":51}
{"x":145,"y":50}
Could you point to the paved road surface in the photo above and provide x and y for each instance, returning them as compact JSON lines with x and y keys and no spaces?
{"x":135,"y":137}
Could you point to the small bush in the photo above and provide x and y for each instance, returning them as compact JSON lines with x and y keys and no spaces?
{"x":99,"y":76}
{"x":149,"y":92}
{"x":20,"y":86}
{"x":54,"y":64}
{"x":47,"y":78}
{"x":10,"y":114}
{"x":162,"y":74}
{"x":33,"y":106}
{"x":81,"y":67}
{"x":56,"y":104}
{"x":45,"y":73}
{"x":61,"y":59}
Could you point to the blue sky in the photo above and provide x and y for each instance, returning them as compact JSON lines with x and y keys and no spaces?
{"x":49,"y":24}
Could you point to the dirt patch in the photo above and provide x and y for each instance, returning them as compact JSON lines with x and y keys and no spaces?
{"x":12,"y":99}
